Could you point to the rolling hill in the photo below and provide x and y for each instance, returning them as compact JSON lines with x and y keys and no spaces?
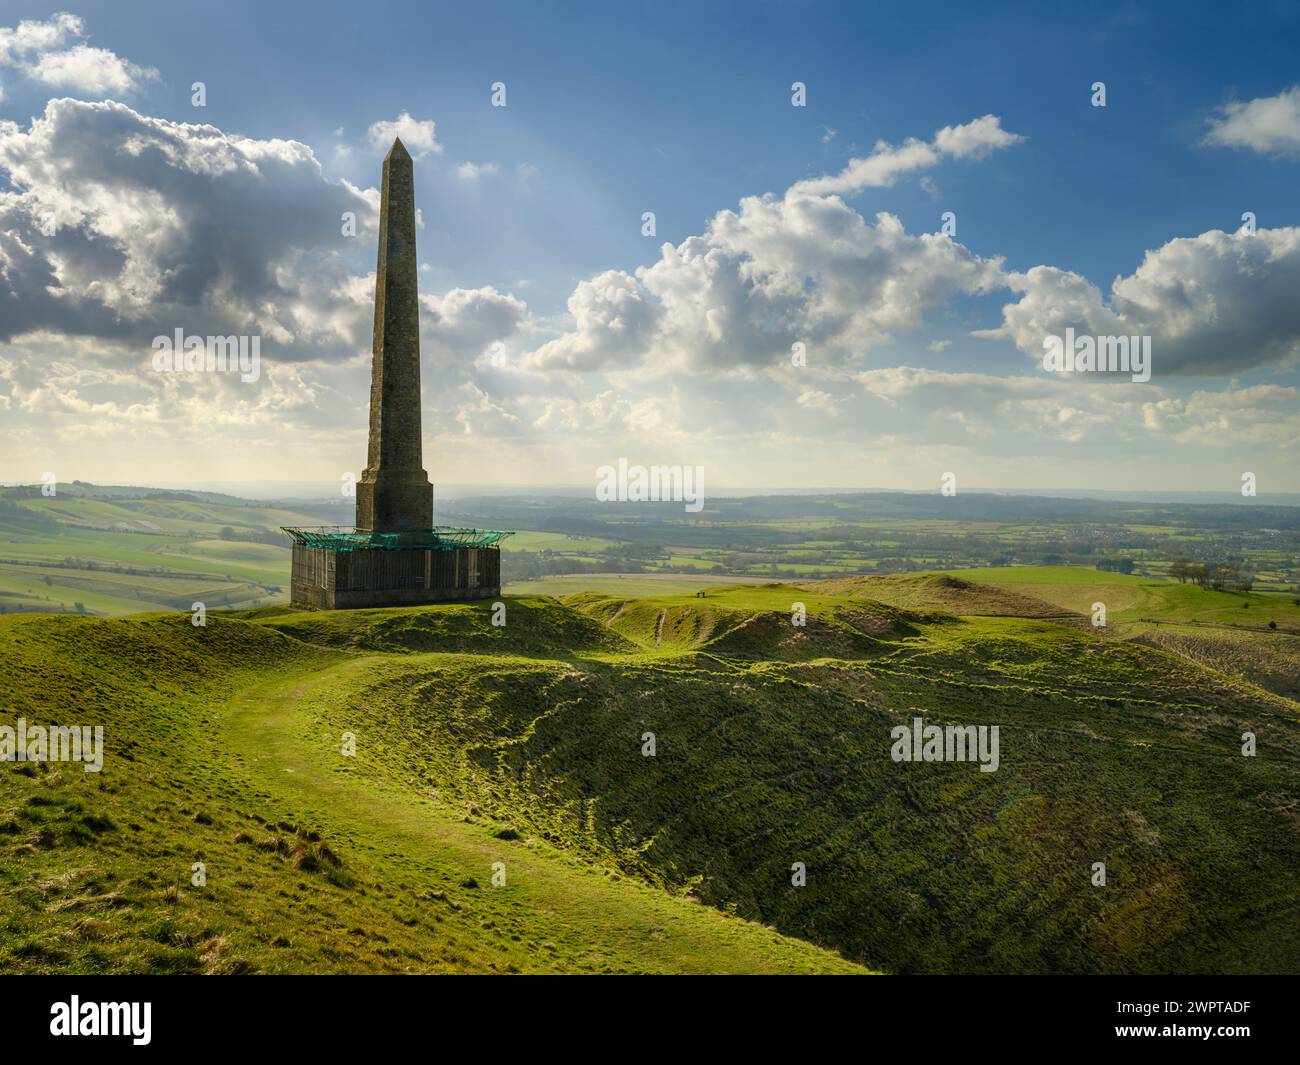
{"x":130,"y":550}
{"x":525,"y":744}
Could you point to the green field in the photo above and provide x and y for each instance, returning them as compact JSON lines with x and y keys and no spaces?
{"x":630,"y":584}
{"x":121,"y":550}
{"x":561,"y":543}
{"x":98,"y":556}
{"x":523,"y":744}
{"x":809,"y":536}
{"x":1130,"y":598}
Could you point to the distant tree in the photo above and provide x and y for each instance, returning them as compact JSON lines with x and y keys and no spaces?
{"x":1179,"y":570}
{"x":1273,"y":625}
{"x":80,"y":608}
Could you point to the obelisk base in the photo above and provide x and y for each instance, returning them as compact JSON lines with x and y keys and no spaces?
{"x":329,"y":579}
{"x":388,"y":505}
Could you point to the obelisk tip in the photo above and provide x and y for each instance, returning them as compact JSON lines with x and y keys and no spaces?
{"x":398,"y":150}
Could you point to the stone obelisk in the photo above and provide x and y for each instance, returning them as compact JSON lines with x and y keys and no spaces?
{"x":394,"y":493}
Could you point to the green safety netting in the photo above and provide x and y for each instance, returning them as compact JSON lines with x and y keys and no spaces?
{"x":439,"y":538}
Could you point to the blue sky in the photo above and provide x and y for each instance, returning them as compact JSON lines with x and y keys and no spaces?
{"x":684,"y":110}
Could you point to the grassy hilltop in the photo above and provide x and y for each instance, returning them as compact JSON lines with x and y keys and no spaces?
{"x":315,"y":863}
{"x":522,"y":744}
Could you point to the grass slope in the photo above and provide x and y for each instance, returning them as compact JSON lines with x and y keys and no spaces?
{"x":314,"y":862}
{"x":1130,"y":598}
{"x":1269,"y":659}
{"x":944,"y":592}
{"x":1111,"y":752}
{"x":524,"y":744}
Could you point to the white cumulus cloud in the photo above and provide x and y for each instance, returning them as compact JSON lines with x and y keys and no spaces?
{"x":40,"y":51}
{"x":420,"y":137}
{"x":774,"y":272}
{"x":473,"y":171}
{"x":90,"y":70}
{"x":1217,"y":303}
{"x":888,"y":162}
{"x":1269,"y":124}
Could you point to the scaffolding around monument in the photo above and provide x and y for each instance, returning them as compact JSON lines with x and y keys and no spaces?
{"x":439,"y":538}
{"x":337,"y":568}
